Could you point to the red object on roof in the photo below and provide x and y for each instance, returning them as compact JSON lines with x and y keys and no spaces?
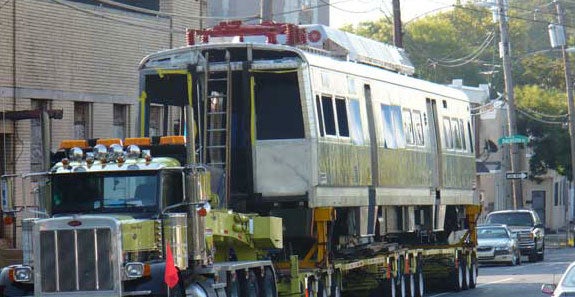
{"x":293,"y":34}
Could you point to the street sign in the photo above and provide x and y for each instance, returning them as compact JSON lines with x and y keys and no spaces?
{"x":516,"y":175}
{"x":513,"y":139}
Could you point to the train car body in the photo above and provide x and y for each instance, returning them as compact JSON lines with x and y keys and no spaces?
{"x":330,"y":133}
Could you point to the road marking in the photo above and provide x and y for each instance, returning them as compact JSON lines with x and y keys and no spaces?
{"x":480,"y":285}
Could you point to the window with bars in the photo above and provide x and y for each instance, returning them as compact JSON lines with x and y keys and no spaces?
{"x":120,"y":126}
{"x":82,"y":120}
{"x":36,"y":151}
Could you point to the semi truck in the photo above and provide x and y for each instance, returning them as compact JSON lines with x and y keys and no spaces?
{"x":274,"y":160}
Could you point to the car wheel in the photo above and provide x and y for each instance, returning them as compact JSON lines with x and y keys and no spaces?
{"x":541,"y":256}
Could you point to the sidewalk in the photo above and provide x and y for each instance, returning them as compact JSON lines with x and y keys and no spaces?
{"x":557,"y":240}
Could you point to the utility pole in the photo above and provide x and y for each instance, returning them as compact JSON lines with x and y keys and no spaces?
{"x":397,"y":30}
{"x":511,"y":114}
{"x":570,"y":104}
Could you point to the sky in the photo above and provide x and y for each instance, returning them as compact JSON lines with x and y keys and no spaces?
{"x":354,"y":11}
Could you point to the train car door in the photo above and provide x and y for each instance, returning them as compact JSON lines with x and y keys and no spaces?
{"x":434,"y":143}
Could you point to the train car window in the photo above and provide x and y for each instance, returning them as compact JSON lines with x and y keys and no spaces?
{"x":328,"y":115}
{"x":462,"y":132}
{"x":356,"y":128}
{"x":319,"y":116}
{"x":471,"y":146}
{"x":408,"y":127}
{"x":351,"y":86}
{"x":456,"y":134}
{"x":278,"y":106}
{"x":447,"y":140}
{"x":342,"y":123}
{"x":393,"y":134}
{"x":418,"y":127}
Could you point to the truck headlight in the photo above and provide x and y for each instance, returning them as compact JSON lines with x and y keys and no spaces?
{"x":135,"y":270}
{"x":21,"y":274}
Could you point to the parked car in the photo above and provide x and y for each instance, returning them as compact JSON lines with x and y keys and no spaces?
{"x":530,"y":231}
{"x":566,"y":285}
{"x":497,"y":244}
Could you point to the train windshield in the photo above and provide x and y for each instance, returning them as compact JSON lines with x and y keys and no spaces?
{"x":95,"y":193}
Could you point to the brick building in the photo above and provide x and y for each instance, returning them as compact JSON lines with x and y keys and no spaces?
{"x":81,"y":57}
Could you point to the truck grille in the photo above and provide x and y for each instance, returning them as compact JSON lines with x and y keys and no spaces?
{"x":76,"y":260}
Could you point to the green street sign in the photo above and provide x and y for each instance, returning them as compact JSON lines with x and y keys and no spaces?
{"x":513,"y":139}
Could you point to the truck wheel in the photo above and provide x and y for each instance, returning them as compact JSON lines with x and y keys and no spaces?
{"x":268,"y":283}
{"x":533,"y":257}
{"x":541,"y":256}
{"x":466,"y":276}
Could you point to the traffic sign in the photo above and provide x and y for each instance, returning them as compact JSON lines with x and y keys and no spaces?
{"x":513,"y":139}
{"x":516,"y":175}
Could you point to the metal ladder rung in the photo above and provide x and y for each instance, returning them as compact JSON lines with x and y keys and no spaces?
{"x":215,"y":146}
{"x":217,"y":96}
{"x":217,"y":113}
{"x":217,"y":130}
{"x":217,"y":163}
{"x":218,"y":79}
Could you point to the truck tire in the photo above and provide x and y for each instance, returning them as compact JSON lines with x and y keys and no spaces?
{"x":533,"y":257}
{"x":466,"y":275}
{"x":541,"y":256}
{"x":473,"y":270}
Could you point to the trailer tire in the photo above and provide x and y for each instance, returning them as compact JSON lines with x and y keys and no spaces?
{"x":473,"y":270}
{"x":466,"y":275}
{"x":457,"y":277}
{"x":412,"y":285}
{"x":392,"y":287}
{"x":401,"y":280}
{"x":420,"y":283}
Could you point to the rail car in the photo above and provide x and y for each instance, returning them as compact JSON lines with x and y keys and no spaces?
{"x":325,"y":129}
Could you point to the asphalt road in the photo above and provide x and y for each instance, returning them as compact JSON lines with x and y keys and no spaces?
{"x":524,"y":280}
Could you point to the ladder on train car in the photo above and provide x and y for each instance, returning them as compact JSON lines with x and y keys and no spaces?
{"x":217,"y":111}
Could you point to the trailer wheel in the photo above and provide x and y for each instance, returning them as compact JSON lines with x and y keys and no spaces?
{"x":392,"y":287}
{"x":473,"y":270}
{"x":466,"y":275}
{"x":412,"y":285}
{"x":420,"y":286}
{"x":457,"y":277}
{"x":402,"y":288}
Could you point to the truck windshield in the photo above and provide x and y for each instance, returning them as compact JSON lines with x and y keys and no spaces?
{"x":93,"y":192}
{"x":511,"y":219}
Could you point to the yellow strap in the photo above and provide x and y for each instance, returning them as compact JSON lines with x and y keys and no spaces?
{"x":253,"y":109}
{"x":143,"y":97}
{"x":162,"y":72}
{"x":273,"y":71}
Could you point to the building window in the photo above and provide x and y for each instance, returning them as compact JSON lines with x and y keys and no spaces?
{"x":36,"y":145}
{"x":120,"y":121}
{"x":82,"y":121}
{"x":148,"y":4}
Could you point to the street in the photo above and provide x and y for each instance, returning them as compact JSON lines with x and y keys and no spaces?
{"x":523,"y":280}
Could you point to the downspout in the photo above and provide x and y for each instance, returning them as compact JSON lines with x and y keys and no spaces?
{"x":14,"y":84}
